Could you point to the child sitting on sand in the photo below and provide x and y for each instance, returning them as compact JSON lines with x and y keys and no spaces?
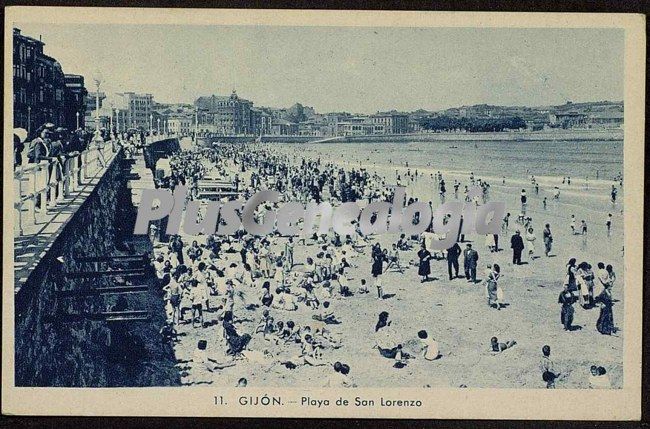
{"x":496,"y":346}
{"x":363,"y":288}
{"x":200,"y":358}
{"x":598,"y":379}
{"x":342,"y":280}
{"x":340,"y":377}
{"x":327,"y":315}
{"x":284,"y":300}
{"x":265,"y":325}
{"x":430,"y":346}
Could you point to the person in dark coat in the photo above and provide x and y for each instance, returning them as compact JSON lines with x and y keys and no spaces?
{"x":424,"y":267}
{"x":176,"y":246}
{"x":19,"y":146}
{"x":605,"y":323}
{"x":470,"y":262}
{"x":236,"y":342}
{"x":566,"y":314}
{"x":548,"y":239}
{"x":378,"y":258}
{"x":39,"y":148}
{"x":517,"y":245}
{"x":453,"y":253}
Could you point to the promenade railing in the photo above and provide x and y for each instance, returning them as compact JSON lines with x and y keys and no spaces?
{"x":39,"y":188}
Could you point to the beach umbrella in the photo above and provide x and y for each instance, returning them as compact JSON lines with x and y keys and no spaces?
{"x":21,"y":133}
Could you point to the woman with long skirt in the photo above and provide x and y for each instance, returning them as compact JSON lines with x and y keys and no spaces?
{"x":605,"y":323}
{"x":424,"y":266}
{"x":566,"y":314}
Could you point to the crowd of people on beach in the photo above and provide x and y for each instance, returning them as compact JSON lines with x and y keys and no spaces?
{"x":244,"y":278}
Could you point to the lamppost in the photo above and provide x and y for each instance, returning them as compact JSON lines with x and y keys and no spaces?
{"x":117,"y":120}
{"x":110,"y":129}
{"x":158,"y":126}
{"x":77,"y":115}
{"x":29,"y":119}
{"x":151,"y":124}
{"x":196,"y":125}
{"x":98,"y":80}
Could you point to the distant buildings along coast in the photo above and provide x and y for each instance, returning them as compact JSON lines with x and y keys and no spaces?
{"x":44,"y":93}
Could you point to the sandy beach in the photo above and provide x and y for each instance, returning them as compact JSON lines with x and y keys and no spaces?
{"x":454,"y":312}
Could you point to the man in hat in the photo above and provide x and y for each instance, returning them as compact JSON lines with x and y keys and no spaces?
{"x":452,"y":260}
{"x":517,"y":245}
{"x":471,"y":260}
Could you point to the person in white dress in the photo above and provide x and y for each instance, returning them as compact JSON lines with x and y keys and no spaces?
{"x":530,"y":242}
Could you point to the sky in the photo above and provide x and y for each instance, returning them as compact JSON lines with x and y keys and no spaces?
{"x":361,"y":70}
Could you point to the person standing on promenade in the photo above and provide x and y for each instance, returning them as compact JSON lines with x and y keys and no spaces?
{"x":470,"y":263}
{"x":453,"y":253}
{"x":517,"y":246}
{"x":548,"y":239}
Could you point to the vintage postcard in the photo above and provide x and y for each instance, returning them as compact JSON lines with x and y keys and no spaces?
{"x":323,"y":213}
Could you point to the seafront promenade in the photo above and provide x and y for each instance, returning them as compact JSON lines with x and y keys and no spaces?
{"x":44,"y":203}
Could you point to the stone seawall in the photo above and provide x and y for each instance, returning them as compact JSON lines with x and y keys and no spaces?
{"x":160,"y":149}
{"x":555,"y":135}
{"x":55,"y":348}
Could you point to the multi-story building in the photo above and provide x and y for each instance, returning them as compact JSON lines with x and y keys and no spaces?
{"x":261,"y":121}
{"x":351,"y":129}
{"x":39,"y":85}
{"x":75,"y":105}
{"x":282,"y":127}
{"x":389,"y":123}
{"x":226,"y":115}
{"x":181,"y":124}
{"x":138,"y":109}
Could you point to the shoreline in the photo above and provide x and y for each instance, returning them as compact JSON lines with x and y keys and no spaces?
{"x":513,"y":136}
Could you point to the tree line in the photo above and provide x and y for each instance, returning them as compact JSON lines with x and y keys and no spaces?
{"x":448,"y":123}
